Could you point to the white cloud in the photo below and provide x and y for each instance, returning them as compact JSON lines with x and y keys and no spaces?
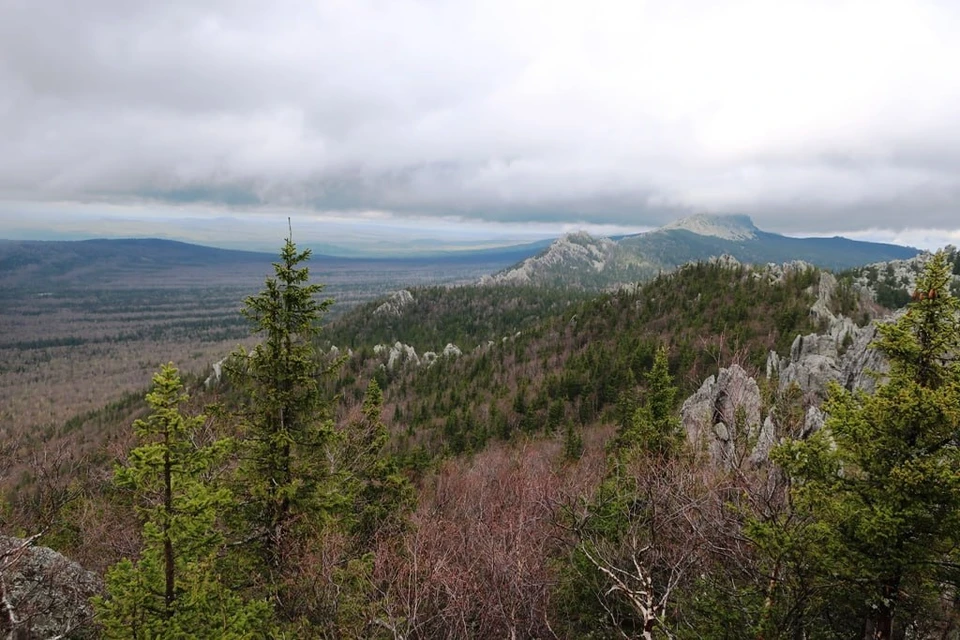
{"x":810,"y":115}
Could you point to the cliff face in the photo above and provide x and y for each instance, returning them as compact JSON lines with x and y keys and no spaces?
{"x":728,"y":418}
{"x":43,"y":594}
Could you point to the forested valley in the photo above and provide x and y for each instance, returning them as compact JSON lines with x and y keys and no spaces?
{"x":725,"y":451}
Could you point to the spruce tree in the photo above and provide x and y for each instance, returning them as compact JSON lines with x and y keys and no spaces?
{"x":284,"y":473}
{"x":653,"y":426}
{"x":380,"y":494}
{"x":881,"y":481}
{"x":173,"y":590}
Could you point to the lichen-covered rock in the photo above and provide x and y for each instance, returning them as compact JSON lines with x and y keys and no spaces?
{"x":813,"y":364}
{"x":452,"y":351}
{"x":861,"y":362}
{"x":724,"y":416}
{"x":766,"y":440}
{"x":401,"y":354}
{"x":843,"y":353}
{"x":44,"y":594}
{"x":812,"y":422}
{"x":395,"y":304}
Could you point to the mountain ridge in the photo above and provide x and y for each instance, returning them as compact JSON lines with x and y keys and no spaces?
{"x":43,"y":265}
{"x":696,"y":238}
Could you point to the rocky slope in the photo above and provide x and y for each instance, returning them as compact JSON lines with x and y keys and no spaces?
{"x":735,"y":422}
{"x":725,"y":227}
{"x":580,"y":260}
{"x":576,"y":259}
{"x":891,"y":283}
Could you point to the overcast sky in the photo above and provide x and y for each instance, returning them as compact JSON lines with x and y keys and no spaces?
{"x":492,"y":120}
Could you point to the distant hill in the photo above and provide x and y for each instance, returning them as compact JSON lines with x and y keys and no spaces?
{"x":31,"y":264}
{"x":150,"y":262}
{"x":581,"y":260}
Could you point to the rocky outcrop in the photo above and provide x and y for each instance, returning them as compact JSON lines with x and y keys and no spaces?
{"x":724,"y":417}
{"x":572,"y":254}
{"x":896,"y":274}
{"x":861,"y":365}
{"x":841,"y":354}
{"x":725,"y":227}
{"x":398,"y":354}
{"x":812,"y":365}
{"x":216,"y":374}
{"x":43,"y":594}
{"x":395,"y":304}
{"x":401,"y":354}
{"x":777,"y":272}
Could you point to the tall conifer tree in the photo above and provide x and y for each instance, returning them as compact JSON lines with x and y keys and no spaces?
{"x":284,"y":472}
{"x":882,"y":478}
{"x":174,"y":590}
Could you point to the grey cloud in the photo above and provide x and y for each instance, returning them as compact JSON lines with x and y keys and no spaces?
{"x":499,"y":110}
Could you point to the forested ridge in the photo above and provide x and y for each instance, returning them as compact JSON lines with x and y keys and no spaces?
{"x":535,"y":481}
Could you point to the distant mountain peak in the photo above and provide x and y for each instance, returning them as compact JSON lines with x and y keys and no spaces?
{"x":581,"y":260}
{"x":725,"y":227}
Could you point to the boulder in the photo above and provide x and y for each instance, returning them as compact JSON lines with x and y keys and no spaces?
{"x":44,"y":594}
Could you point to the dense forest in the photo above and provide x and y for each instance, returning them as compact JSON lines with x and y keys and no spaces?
{"x":510,"y":462}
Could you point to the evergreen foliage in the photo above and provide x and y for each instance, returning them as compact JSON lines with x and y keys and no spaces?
{"x":285,"y":417}
{"x":380,"y":494}
{"x":620,"y":510}
{"x":174,"y":589}
{"x":879,"y":485}
{"x":653,"y":426}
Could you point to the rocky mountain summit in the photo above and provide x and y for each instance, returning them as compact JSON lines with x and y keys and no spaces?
{"x":583,"y":261}
{"x":395,"y":304}
{"x":732,"y":416}
{"x":725,"y":227}
{"x":577,"y":259}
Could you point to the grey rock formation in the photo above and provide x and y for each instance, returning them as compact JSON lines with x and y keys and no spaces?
{"x":775,"y":273}
{"x":766,"y":440}
{"x":216,"y":374}
{"x":812,"y":422}
{"x":724,"y":417}
{"x":397,"y":355}
{"x":842,"y":354}
{"x":574,"y":254}
{"x":861,"y":364}
{"x":899,"y":275}
{"x":451,"y":351}
{"x":812,"y":365}
{"x":726,"y":261}
{"x":43,"y":594}
{"x":773,"y":364}
{"x":395,"y":304}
